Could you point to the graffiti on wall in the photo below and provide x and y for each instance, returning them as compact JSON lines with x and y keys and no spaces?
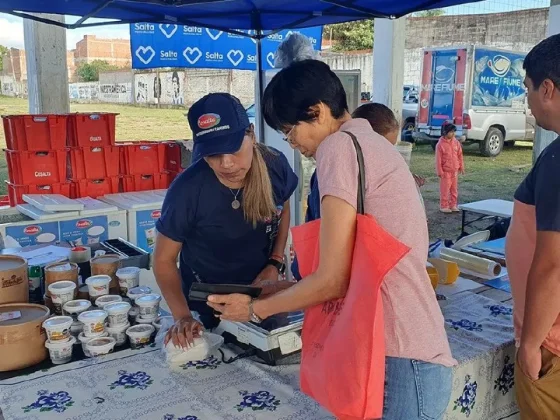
{"x":163,"y":88}
{"x":84,"y":91}
{"x":115,"y":92}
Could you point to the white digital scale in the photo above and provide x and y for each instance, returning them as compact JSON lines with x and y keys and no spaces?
{"x":275,"y":338}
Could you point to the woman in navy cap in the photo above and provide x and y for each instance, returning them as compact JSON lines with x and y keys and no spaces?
{"x":227,"y":215}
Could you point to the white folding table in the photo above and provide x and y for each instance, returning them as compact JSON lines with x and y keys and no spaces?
{"x":498,"y":209}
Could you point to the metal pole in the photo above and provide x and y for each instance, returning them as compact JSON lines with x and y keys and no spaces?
{"x":259,"y":90}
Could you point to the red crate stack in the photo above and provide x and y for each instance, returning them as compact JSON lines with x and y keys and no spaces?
{"x":144,"y":166}
{"x":36,"y":155}
{"x":94,"y":158}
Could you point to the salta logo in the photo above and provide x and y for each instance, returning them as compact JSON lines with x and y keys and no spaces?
{"x":145,"y":54}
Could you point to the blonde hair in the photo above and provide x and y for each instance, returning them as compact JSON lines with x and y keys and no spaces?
{"x":258,"y":197}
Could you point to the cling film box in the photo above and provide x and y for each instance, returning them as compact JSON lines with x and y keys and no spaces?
{"x":76,"y":230}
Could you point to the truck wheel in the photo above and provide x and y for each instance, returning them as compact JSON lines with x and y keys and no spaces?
{"x":409,"y":125}
{"x":434,"y":144}
{"x":493,"y":143}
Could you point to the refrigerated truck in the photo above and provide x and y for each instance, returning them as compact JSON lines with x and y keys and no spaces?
{"x":481,"y":91}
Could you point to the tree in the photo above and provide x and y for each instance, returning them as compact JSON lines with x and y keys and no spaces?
{"x":350,"y":36}
{"x":3,"y":53}
{"x":89,"y":72}
{"x":430,"y":13}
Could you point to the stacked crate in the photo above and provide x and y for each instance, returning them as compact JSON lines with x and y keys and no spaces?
{"x":148,"y":165}
{"x":94,"y":168}
{"x":36,"y":155}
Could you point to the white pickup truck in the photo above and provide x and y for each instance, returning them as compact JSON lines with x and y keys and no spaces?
{"x":481,"y":91}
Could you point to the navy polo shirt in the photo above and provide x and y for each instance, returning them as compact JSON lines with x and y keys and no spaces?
{"x":219,"y":245}
{"x":541,"y":188}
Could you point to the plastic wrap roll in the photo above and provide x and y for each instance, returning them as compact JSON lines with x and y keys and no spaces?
{"x":472,"y":263}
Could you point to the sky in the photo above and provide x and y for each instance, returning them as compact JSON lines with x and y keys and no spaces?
{"x":11,"y":28}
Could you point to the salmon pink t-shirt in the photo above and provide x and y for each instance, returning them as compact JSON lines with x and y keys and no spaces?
{"x":414,"y":324}
{"x":536,"y":208}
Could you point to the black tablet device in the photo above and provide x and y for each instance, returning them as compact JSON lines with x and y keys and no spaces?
{"x":201,"y":291}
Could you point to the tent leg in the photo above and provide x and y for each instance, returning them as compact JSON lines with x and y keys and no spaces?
{"x":47,"y":72}
{"x":259,"y":90}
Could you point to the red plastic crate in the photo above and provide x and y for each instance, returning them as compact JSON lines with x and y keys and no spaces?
{"x":36,"y":168}
{"x":143,"y":158}
{"x":15,"y":192}
{"x":173,"y":157}
{"x":91,"y":129}
{"x":35,"y":132}
{"x":159,"y":181}
{"x":4,"y":200}
{"x":96,"y":187}
{"x":94,"y":162}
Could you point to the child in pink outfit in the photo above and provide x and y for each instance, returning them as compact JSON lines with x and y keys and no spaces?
{"x":449,"y":163}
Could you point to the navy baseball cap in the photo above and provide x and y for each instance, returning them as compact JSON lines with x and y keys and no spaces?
{"x":218,"y":122}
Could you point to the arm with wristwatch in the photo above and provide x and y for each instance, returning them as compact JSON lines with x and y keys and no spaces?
{"x":269,"y":278}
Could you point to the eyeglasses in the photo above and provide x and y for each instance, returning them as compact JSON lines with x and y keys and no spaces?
{"x":287,"y":137}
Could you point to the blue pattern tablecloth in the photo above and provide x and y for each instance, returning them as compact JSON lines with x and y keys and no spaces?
{"x":137,"y":384}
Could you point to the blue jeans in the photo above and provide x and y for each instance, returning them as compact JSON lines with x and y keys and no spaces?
{"x":416,"y":390}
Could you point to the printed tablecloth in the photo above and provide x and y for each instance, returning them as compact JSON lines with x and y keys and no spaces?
{"x":137,"y":384}
{"x":480,"y":332}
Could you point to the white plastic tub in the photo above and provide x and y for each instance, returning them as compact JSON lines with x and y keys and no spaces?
{"x":100,"y":346}
{"x":94,"y":322}
{"x":148,"y":306}
{"x":60,"y":352}
{"x":118,"y":333}
{"x":58,"y":328}
{"x":118,"y":313}
{"x":62,"y":292}
{"x":140,"y":335}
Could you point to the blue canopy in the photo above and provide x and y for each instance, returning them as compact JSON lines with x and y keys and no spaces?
{"x":259,"y":15}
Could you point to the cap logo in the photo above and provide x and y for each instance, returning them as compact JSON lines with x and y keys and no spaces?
{"x":207,"y":121}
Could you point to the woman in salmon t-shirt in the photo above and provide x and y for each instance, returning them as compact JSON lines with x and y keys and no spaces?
{"x":307,"y":102}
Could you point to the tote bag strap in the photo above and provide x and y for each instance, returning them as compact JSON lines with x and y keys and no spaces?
{"x":361,"y":174}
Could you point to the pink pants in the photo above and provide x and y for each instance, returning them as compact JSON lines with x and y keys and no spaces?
{"x":448,"y":190}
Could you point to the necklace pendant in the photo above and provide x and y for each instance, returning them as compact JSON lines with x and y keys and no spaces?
{"x":235,"y":204}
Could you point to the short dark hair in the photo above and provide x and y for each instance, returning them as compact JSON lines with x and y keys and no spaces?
{"x":294,"y":90}
{"x":543,"y":62}
{"x":380,"y":117}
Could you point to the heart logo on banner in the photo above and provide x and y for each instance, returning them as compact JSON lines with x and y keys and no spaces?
{"x":235,"y":56}
{"x":270,"y":59}
{"x":192,"y":54}
{"x":213,"y":35}
{"x":145,"y":54}
{"x":168,"y":30}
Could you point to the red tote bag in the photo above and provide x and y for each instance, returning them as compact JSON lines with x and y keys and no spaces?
{"x":343,"y":355}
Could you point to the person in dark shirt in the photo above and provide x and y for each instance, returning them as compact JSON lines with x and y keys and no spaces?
{"x":227,"y":215}
{"x":533,"y":248}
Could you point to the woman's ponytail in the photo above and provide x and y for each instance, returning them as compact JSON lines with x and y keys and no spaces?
{"x":258,"y":196}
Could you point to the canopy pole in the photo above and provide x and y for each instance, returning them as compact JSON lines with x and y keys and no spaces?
{"x":47,"y":71}
{"x":259,"y":91}
{"x":543,"y":137}
{"x":388,"y":63}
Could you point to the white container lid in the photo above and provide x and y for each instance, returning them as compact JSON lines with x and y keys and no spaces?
{"x":98,"y":280}
{"x":105,"y":300}
{"x":142,"y":329}
{"x":57,"y":344}
{"x":118,"y":307}
{"x":58,"y":322}
{"x":84,"y":339}
{"x":61,"y":287}
{"x":148,"y":300}
{"x":98,"y":342}
{"x":96,"y":314}
{"x":128,"y":272}
{"x":75,"y":306}
{"x":136,"y":292}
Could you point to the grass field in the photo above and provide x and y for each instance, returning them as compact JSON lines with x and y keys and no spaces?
{"x":485,"y":178}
